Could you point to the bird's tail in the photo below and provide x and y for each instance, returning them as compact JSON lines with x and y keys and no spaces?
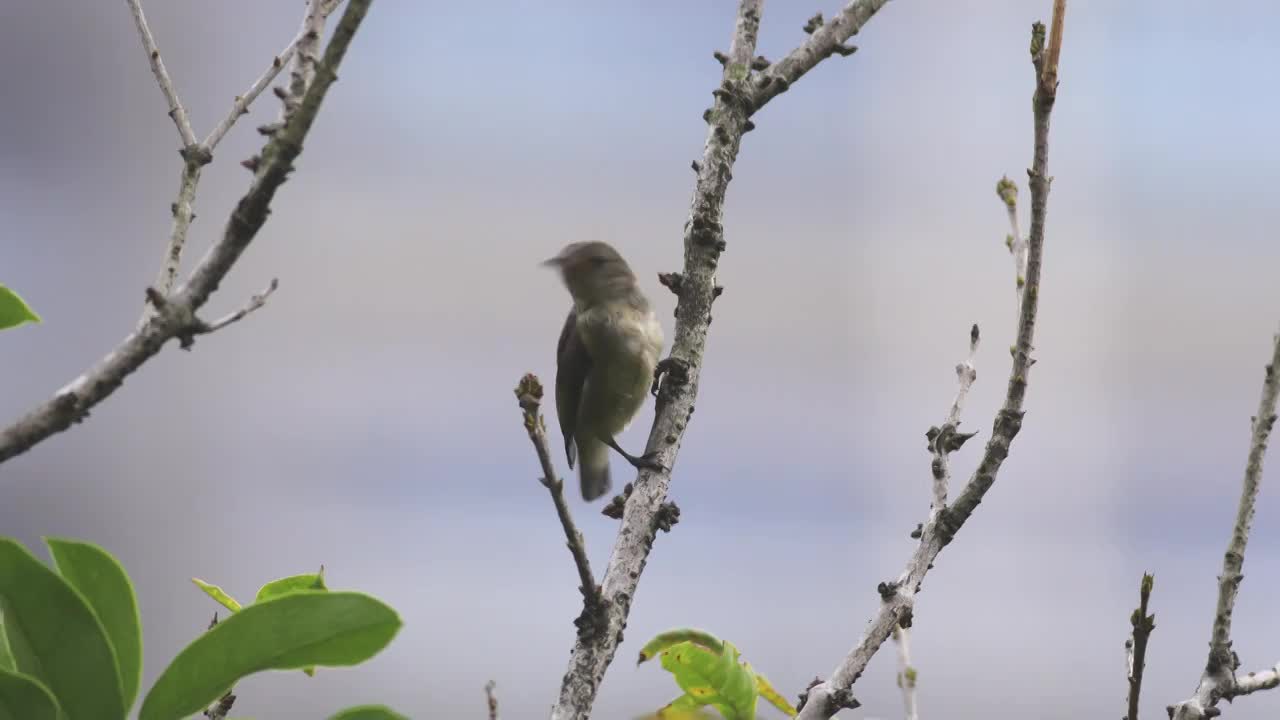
{"x":593,"y":469}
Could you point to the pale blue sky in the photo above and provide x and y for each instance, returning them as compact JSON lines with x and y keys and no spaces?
{"x":364,"y":419}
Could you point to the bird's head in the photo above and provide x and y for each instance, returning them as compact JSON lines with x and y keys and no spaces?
{"x":593,"y":271}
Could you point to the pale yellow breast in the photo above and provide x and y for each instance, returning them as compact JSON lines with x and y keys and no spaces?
{"x":625,"y":345}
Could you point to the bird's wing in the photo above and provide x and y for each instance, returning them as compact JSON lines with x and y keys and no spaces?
{"x":573,"y":364}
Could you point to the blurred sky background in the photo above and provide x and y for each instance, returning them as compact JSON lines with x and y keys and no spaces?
{"x":365,"y":420}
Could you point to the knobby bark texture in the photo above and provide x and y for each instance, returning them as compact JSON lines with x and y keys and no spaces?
{"x":195,"y":155}
{"x":947,"y":439}
{"x":747,"y":84}
{"x":825,"y":699}
{"x":529,"y":395}
{"x":175,"y":315}
{"x":242,"y":102}
{"x":1219,"y":680}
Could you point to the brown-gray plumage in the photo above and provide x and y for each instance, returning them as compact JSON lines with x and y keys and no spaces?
{"x":605,"y":359}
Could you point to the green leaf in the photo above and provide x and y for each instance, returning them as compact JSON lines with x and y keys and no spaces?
{"x":710,"y":679}
{"x":766,"y":690}
{"x":105,"y":585}
{"x":369,"y":712}
{"x":55,"y":637}
{"x":22,"y":697}
{"x":6,"y":656}
{"x":306,"y":581}
{"x":275,"y":588}
{"x":711,"y":673}
{"x":288,"y":632}
{"x":671,"y":638}
{"x":685,"y":707}
{"x":217,"y":593}
{"x":13,"y":310}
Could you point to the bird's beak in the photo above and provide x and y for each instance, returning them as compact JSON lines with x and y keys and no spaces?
{"x":555,"y":262}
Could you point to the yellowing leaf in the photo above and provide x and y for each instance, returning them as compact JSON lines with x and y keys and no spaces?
{"x":711,"y":674}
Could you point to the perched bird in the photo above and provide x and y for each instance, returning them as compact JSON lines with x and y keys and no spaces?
{"x":605,"y":360}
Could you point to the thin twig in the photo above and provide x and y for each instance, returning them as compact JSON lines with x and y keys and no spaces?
{"x":529,"y":395}
{"x":1219,"y":680}
{"x":825,"y":699}
{"x":183,"y":214}
{"x":176,"y":111}
{"x":193,"y":160}
{"x":947,"y":439}
{"x":72,"y":403}
{"x":304,"y":61}
{"x":255,"y":302}
{"x":646,"y":509}
{"x":1136,"y":647}
{"x":826,"y":39}
{"x":491,"y":693}
{"x":195,"y":157}
{"x":242,"y":102}
{"x":966,"y":374}
{"x":1017,"y":244}
{"x":906,"y":672}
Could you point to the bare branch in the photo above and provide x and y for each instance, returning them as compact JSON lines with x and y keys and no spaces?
{"x":825,"y":699}
{"x":529,"y":395}
{"x":196,"y":157}
{"x":491,"y":693}
{"x":906,"y":672}
{"x":72,"y":403}
{"x":1233,"y":562}
{"x":242,"y":102}
{"x":966,"y":374}
{"x":304,"y":61}
{"x":1255,"y":681}
{"x":255,"y":302}
{"x":1017,"y":244}
{"x":193,"y":159}
{"x":646,"y":510}
{"x":1054,"y":51}
{"x":1219,"y":679}
{"x":176,"y":111}
{"x":824,"y":40}
{"x":1136,"y":647}
{"x":947,"y":439}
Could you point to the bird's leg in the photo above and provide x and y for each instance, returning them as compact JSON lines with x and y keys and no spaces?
{"x":674,"y":368}
{"x":648,"y":461}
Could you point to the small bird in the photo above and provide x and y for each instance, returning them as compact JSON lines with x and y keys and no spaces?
{"x":605,"y":360}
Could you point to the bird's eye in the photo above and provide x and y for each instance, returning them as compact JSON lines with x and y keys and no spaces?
{"x":598,"y":260}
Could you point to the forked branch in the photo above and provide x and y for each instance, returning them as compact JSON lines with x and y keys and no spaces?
{"x":1219,"y":680}
{"x":529,"y":395}
{"x":825,"y":699}
{"x":745,"y":87}
{"x":195,"y":155}
{"x":178,"y":318}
